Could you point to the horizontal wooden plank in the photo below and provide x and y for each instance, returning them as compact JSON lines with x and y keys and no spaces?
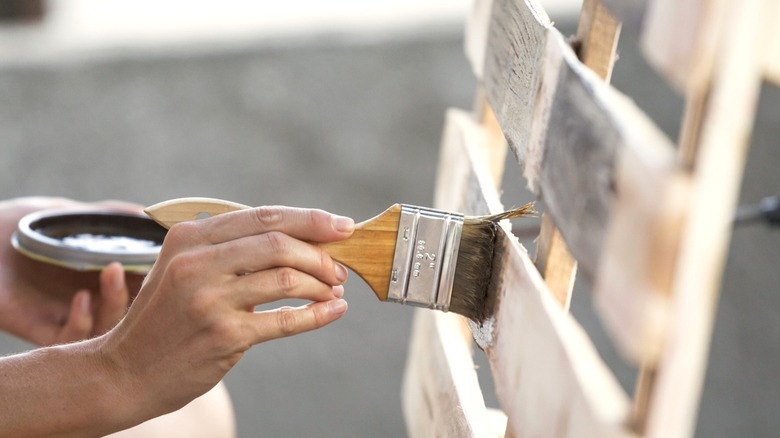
{"x":632,"y":288}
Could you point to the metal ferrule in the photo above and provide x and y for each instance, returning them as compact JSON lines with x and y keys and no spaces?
{"x":426,"y":252}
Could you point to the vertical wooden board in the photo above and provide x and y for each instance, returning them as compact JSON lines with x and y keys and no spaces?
{"x":628,"y":12}
{"x":476,"y":35}
{"x":772,"y":56}
{"x":597,"y":33}
{"x":555,"y":262}
{"x":441,"y":393}
{"x":679,"y":38}
{"x":456,"y":159}
{"x":724,"y":141}
{"x":513,"y":62}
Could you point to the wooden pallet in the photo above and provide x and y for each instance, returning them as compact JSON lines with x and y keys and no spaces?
{"x":646,"y":219}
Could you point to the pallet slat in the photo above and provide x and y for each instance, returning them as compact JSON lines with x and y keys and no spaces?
{"x":581,"y":130}
{"x":725,"y":129}
{"x":476,"y":35}
{"x":772,"y":57}
{"x":513,"y":61}
{"x":680,"y":39}
{"x":441,"y":393}
{"x":549,"y":378}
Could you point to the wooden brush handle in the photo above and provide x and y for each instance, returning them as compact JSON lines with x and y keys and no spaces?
{"x":368,"y":252}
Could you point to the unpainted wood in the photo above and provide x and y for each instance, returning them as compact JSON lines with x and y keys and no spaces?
{"x":555,"y":262}
{"x":513,"y":59}
{"x":577,"y":150}
{"x":441,"y":393}
{"x":632,"y":288}
{"x":680,"y":39}
{"x":726,"y":125}
{"x":549,"y":378}
{"x":494,"y":147}
{"x":580,"y":128}
{"x":476,"y":35}
{"x":597,"y":35}
{"x":772,"y":56}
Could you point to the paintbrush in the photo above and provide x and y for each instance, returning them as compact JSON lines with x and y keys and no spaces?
{"x":407,"y":254}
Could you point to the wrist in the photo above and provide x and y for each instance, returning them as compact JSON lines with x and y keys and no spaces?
{"x":106,"y":401}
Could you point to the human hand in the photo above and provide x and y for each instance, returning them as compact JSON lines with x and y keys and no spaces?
{"x":194,"y":317}
{"x":47,"y":304}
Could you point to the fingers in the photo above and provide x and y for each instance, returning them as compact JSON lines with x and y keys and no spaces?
{"x":275,"y":250}
{"x":289,"y":321}
{"x":282,"y":283}
{"x":79,"y":324}
{"x":114,"y":298}
{"x":304,"y":224}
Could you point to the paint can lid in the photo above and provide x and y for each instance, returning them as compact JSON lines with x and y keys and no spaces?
{"x":90,"y":240}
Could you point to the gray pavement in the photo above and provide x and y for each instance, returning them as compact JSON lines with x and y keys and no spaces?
{"x":351,"y":128}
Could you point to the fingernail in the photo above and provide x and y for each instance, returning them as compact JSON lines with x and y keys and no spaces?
{"x":337,"y":306}
{"x":341,"y":273}
{"x":338,"y":291}
{"x":343,"y":224}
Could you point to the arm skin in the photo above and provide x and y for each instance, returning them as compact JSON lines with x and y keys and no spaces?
{"x":191,"y":322}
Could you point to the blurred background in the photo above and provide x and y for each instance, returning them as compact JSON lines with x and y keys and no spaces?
{"x":337,"y":105}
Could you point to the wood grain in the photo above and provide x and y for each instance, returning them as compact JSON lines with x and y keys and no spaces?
{"x":513,"y":60}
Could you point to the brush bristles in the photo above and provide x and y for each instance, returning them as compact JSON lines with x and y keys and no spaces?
{"x":475,"y":262}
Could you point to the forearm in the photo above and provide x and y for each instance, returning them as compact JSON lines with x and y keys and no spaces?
{"x":61,"y":391}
